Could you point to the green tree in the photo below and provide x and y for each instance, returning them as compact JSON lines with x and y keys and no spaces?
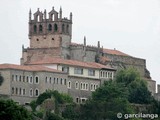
{"x":137,"y":87}
{"x":52,"y":116}
{"x":106,"y":102}
{"x":60,"y":98}
{"x":139,"y":93}
{"x":71,"y":112}
{"x":9,"y":110}
{"x":126,"y":76}
{"x":33,"y":105}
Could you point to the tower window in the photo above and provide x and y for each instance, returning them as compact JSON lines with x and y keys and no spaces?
{"x":38,"y":18}
{"x":40,"y":28}
{"x":55,"y":27}
{"x":37,"y":39}
{"x":52,"y":38}
{"x":67,"y":29}
{"x":35,"y":28}
{"x":63,"y":28}
{"x":49,"y":27}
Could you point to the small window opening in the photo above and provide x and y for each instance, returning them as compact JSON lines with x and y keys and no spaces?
{"x":49,"y":27}
{"x":55,"y":27}
{"x":40,"y":28}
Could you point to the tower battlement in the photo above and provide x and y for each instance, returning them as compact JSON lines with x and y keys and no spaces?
{"x":54,"y":24}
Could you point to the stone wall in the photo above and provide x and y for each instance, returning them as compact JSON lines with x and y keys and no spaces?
{"x":78,"y":93}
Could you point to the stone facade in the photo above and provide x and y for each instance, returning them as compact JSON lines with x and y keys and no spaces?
{"x":24,"y":85}
{"x":47,"y":40}
{"x":83,"y":67}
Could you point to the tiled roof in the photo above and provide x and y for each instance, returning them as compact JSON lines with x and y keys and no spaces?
{"x":28,"y":68}
{"x":104,"y":59}
{"x":70,"y":62}
{"x":114,"y":52}
{"x":109,"y":51}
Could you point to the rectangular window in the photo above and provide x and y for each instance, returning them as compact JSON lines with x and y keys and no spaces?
{"x":65,"y":81}
{"x":24,"y":91}
{"x":65,"y":69}
{"x":57,"y":80}
{"x":16,"y":77}
{"x":78,"y":71}
{"x":61,"y":81}
{"x":83,"y":100}
{"x":91,"y":72}
{"x":20,"y":78}
{"x":27,"y":79}
{"x":23,"y":78}
{"x":12,"y":77}
{"x":12,"y":90}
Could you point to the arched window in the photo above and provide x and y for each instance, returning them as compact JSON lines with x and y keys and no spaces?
{"x":36,"y":80}
{"x":38,"y":18}
{"x":35,"y":28}
{"x":69,"y":84}
{"x":67,"y":29}
{"x":40,"y":28}
{"x":49,"y":27}
{"x":36,"y":92}
{"x":77,"y":85}
{"x":31,"y":80}
{"x":55,"y":27}
{"x":63,"y":28}
{"x":52,"y":17}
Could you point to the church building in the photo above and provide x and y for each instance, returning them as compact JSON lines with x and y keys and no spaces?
{"x":52,"y":61}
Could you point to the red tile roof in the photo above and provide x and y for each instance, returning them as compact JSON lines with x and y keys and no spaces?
{"x":105,"y":50}
{"x":70,"y":62}
{"x":104,"y":59}
{"x":114,"y":52}
{"x":28,"y":68}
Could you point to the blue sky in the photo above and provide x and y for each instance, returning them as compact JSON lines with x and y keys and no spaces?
{"x":131,"y":26}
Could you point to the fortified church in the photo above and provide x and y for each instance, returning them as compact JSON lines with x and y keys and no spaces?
{"x":53,"y":61}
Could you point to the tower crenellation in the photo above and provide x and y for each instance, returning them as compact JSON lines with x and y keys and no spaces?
{"x":43,"y":29}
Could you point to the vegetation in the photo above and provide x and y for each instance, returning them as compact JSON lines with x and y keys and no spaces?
{"x":9,"y":110}
{"x":121,"y":95}
{"x":127,"y":90}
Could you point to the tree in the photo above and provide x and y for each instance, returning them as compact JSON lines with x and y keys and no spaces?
{"x":33,"y":105}
{"x":106,"y":102}
{"x":139,"y":93}
{"x":1,"y":80}
{"x":9,"y":110}
{"x":126,"y":76}
{"x":60,"y":98}
{"x":52,"y":116}
{"x":71,"y":112}
{"x":137,"y":87}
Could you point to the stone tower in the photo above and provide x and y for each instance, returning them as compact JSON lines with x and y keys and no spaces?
{"x":49,"y":36}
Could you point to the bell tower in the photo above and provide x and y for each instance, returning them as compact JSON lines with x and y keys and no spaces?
{"x":50,"y":32}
